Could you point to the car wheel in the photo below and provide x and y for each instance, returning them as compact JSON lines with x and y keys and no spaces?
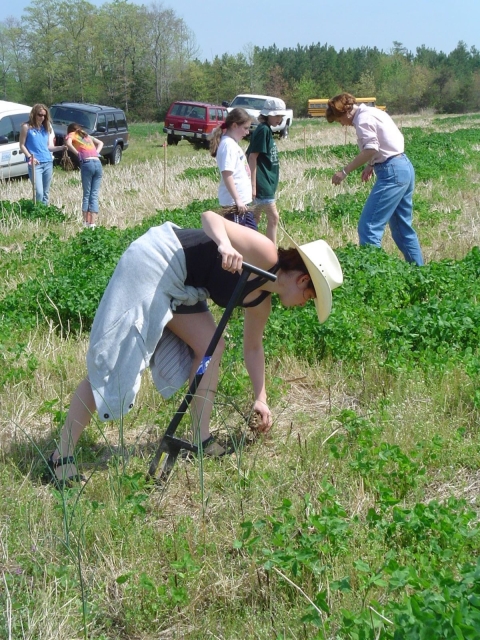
{"x":171,"y":139}
{"x":116,"y":155}
{"x":284,"y":132}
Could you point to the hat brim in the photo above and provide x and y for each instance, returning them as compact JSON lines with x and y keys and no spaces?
{"x":323,"y":288}
{"x":273,"y":113}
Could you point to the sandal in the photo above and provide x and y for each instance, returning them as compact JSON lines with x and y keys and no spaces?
{"x":63,"y":482}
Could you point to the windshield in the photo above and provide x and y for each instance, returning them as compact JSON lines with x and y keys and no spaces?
{"x":248,"y":103}
{"x":67,"y":115}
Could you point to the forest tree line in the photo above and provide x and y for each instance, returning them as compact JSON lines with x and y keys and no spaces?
{"x":141,"y":58}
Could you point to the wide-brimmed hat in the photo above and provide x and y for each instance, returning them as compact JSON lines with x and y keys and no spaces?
{"x":274,"y":107}
{"x":325,"y":271}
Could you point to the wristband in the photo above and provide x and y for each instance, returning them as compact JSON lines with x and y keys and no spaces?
{"x":344,"y":173}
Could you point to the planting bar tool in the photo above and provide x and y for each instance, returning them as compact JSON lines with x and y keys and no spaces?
{"x":170,"y":447}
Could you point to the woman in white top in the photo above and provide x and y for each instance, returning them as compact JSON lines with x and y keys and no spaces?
{"x":235,"y":189}
{"x":381,"y":147}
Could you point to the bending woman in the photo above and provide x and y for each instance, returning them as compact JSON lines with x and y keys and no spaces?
{"x":381,"y":147}
{"x":154,"y":309}
{"x":37,"y":142}
{"x":87,"y":149}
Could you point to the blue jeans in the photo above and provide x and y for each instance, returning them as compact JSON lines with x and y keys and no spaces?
{"x":43,"y":179}
{"x":91,"y":172}
{"x":390,"y":201}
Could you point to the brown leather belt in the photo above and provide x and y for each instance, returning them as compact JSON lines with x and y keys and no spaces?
{"x":389,"y":158}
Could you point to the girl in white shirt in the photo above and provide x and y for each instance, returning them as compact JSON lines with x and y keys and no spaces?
{"x":235,"y":189}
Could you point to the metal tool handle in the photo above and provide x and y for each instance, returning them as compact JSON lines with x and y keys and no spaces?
{"x":232,"y":303}
{"x":259,"y":272}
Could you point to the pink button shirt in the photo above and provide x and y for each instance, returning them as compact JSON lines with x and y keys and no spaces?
{"x":376,"y":130}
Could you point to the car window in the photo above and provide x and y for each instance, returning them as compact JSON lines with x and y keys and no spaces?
{"x":83,"y":119}
{"x":219,"y":114}
{"x":225,"y":114}
{"x":6,"y":128}
{"x":249,"y":103}
{"x":240,"y":101}
{"x":212,"y":114}
{"x":18,"y":120}
{"x":198,"y":112}
{"x":101,"y":121}
{"x":111,"y":122}
{"x":66,"y":115}
{"x":180,"y":109}
{"x":121,"y":120}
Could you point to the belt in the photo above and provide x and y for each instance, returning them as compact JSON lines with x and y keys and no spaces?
{"x":88,"y":159}
{"x":397,"y":155}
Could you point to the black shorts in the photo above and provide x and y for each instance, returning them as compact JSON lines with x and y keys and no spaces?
{"x":199,"y":307}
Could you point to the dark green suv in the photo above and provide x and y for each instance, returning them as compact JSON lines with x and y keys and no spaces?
{"x":108,"y":124}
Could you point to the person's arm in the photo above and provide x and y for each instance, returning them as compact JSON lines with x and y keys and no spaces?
{"x":254,"y":325}
{"x":51,"y":143}
{"x":252,"y":163}
{"x":98,"y":144}
{"x":236,"y":243}
{"x":364,"y":156}
{"x":70,"y":147}
{"x":232,"y":190}
{"x":22,"y":139}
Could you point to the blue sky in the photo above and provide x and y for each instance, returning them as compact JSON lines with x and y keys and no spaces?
{"x":222,"y":27}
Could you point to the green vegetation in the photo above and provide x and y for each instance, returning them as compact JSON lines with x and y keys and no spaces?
{"x":355,"y":519}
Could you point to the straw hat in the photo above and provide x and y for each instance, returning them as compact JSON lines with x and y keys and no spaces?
{"x":325,"y":271}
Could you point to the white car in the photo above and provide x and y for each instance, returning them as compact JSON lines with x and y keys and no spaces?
{"x":12,"y":160}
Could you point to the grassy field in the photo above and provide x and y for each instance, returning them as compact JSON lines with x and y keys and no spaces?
{"x":355,"y":519}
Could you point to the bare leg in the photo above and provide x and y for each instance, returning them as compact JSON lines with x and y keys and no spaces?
{"x":272,"y":219}
{"x":82,"y":407}
{"x":196,"y":330}
{"x":87,"y":218}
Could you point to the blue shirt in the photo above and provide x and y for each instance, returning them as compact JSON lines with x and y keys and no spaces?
{"x":37,"y":144}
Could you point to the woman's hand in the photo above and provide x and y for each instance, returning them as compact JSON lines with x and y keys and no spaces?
{"x":265,"y":420}
{"x":339,"y":177}
{"x":232,"y":260}
{"x":367,"y":173}
{"x":241,"y":207}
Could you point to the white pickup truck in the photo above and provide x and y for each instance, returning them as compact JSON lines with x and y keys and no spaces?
{"x":253,"y":104}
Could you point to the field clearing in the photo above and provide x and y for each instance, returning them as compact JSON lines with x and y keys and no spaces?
{"x":357,"y":517}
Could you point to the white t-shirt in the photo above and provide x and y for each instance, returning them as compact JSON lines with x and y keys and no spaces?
{"x":376,"y":130}
{"x":230,"y":157}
